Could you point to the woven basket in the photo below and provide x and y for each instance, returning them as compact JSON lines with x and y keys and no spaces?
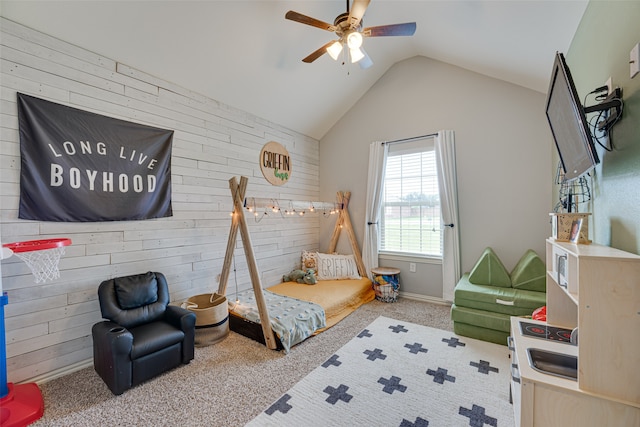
{"x":385,"y":293}
{"x":212,"y":318}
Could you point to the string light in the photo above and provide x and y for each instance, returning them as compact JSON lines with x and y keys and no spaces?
{"x":262,"y":207}
{"x":293,"y":207}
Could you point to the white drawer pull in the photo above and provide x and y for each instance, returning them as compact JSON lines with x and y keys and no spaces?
{"x":514,"y":370}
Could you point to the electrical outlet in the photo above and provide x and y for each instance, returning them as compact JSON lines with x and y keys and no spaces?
{"x":634,"y":61}
{"x":412,"y":267}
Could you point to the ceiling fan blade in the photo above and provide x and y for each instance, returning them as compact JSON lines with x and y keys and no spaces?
{"x":358,"y":8}
{"x":406,"y":29}
{"x":318,"y":53}
{"x":304,"y":19}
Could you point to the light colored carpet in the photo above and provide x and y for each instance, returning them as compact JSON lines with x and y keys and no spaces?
{"x":398,"y":373}
{"x":227,"y":384}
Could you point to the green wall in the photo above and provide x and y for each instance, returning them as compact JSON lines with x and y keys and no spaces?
{"x":599,"y":50}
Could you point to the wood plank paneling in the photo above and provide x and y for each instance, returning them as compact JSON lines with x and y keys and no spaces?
{"x":49,"y":325}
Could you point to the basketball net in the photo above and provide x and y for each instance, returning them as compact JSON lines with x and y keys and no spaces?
{"x":43,"y":263}
{"x":41,"y":256}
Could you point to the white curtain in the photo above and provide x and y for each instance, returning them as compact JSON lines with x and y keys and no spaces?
{"x":375,"y":181}
{"x":445,"y":159}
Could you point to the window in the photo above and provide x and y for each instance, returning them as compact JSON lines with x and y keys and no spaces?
{"x":411,"y":219}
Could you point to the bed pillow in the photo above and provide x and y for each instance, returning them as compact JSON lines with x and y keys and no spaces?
{"x":336,"y":267}
{"x":309,"y":260}
{"x":489,"y":270}
{"x":529,"y":273}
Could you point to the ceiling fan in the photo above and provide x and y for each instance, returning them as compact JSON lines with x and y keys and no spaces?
{"x":348,"y":28}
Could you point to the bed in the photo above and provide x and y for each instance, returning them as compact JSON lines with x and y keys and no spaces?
{"x":285,"y":314}
{"x":298,"y":311}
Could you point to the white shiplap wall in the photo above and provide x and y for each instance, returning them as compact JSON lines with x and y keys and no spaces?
{"x":48,"y":326}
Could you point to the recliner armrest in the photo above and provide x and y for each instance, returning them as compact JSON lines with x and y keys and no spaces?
{"x":180,"y":317}
{"x":111,"y":349}
{"x":185,"y":320}
{"x":111,"y":336}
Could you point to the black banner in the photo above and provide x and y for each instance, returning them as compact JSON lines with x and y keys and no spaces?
{"x":81,"y":166}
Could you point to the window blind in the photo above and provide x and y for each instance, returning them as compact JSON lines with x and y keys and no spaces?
{"x":411,"y":205}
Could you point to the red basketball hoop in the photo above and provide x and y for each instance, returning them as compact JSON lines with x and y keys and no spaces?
{"x":41,"y":256}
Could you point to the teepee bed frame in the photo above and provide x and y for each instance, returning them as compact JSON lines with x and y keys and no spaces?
{"x":357,"y":293}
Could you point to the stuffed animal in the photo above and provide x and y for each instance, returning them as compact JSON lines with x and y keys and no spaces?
{"x":301,"y":276}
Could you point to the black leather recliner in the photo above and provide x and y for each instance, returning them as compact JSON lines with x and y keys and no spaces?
{"x":144,"y":336}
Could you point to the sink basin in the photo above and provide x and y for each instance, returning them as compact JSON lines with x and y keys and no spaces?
{"x":549,"y":362}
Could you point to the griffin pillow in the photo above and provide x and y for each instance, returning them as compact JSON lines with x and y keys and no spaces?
{"x":336,"y":267}
{"x":489,"y":270}
{"x":530,"y":273}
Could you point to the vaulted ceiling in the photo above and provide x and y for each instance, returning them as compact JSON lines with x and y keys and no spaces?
{"x":245,"y":54}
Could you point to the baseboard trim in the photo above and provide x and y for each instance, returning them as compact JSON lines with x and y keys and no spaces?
{"x":425,"y":298}
{"x":61,"y":372}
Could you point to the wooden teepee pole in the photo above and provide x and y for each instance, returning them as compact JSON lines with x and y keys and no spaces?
{"x":238,"y":221}
{"x":344,"y":223}
{"x":233,"y":234}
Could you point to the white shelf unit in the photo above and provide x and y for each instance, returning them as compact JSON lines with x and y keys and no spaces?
{"x":600,"y":294}
{"x":602,"y":298}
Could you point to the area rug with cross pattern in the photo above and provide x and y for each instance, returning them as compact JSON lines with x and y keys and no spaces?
{"x":397,"y":373}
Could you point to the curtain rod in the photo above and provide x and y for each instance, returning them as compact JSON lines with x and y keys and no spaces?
{"x":411,"y":138}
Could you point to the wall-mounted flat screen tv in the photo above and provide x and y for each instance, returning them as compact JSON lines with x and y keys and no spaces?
{"x":568,"y":123}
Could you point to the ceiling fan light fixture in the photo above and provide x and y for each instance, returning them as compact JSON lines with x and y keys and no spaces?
{"x":365,"y":62}
{"x":356,"y":54}
{"x":335,"y":49}
{"x":354,"y":40}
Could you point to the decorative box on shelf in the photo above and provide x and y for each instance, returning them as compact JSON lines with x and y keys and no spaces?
{"x":562,"y":224}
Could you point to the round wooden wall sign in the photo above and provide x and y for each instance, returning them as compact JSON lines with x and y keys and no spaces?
{"x":275,"y":163}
